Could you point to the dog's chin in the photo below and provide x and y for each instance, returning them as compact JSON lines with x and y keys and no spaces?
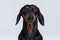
{"x":30,"y":27}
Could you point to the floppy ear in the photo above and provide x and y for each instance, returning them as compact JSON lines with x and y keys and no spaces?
{"x":40,"y":18}
{"x":18,"y":17}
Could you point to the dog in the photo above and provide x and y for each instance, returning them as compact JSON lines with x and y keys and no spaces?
{"x":30,"y":14}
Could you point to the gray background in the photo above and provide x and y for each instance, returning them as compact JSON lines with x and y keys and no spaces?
{"x":9,"y":10}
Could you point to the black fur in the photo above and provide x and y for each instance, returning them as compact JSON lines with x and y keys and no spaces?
{"x":35,"y":35}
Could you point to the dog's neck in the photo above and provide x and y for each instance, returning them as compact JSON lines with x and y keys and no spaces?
{"x":35,"y":26}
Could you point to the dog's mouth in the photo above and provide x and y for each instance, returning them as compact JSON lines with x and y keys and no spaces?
{"x":30,"y":27}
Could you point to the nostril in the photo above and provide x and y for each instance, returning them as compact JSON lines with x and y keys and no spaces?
{"x":30,"y":17}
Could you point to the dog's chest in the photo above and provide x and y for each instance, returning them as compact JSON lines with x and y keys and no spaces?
{"x":29,"y":36}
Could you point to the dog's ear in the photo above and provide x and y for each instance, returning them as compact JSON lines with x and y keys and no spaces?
{"x":18,"y":17}
{"x":40,"y":18}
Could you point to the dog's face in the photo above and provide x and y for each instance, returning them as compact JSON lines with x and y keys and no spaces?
{"x":30,"y":13}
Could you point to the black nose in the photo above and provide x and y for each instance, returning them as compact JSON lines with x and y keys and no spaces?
{"x":30,"y":17}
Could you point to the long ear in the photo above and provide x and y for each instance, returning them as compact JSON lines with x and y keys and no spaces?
{"x":18,"y":17}
{"x":40,"y":18}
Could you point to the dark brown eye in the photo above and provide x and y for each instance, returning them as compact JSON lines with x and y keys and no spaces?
{"x":24,"y":13}
{"x":35,"y":13}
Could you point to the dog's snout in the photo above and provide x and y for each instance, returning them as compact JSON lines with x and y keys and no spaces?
{"x":30,"y":17}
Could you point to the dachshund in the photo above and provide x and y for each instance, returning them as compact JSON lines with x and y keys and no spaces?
{"x":31,"y":15}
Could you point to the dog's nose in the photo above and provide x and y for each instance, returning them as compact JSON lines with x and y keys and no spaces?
{"x":30,"y":17}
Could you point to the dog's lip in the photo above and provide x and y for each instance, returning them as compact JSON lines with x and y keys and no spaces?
{"x":29,"y":21}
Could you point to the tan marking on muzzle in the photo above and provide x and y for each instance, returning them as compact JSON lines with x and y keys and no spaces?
{"x":30,"y":27}
{"x":25,"y":17}
{"x":35,"y":16}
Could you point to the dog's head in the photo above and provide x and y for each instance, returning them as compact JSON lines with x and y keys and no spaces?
{"x":30,"y":14}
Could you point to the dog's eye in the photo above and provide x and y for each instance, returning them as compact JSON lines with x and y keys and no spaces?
{"x":24,"y":13}
{"x":35,"y":13}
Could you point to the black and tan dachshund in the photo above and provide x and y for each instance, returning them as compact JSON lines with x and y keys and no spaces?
{"x":30,"y":14}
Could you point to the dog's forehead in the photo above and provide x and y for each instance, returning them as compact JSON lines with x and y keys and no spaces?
{"x":30,"y":8}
